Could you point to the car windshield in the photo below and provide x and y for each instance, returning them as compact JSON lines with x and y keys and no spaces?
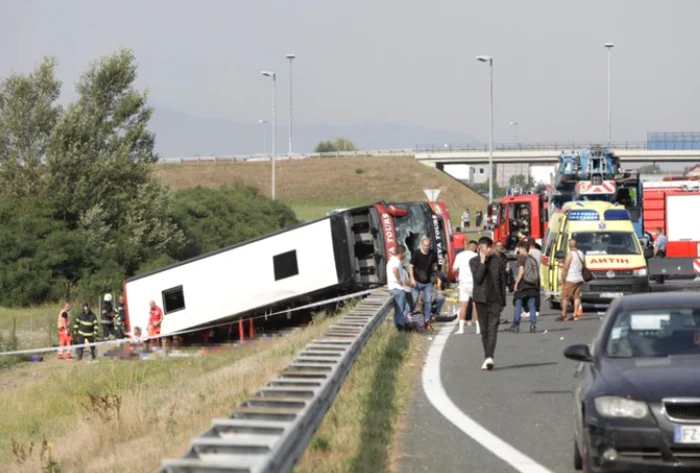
{"x":655,"y":333}
{"x":607,"y":243}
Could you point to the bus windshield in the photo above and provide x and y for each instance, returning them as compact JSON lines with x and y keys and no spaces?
{"x":411,"y":228}
{"x":607,"y":243}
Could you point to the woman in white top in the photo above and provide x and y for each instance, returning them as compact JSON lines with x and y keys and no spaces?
{"x":571,"y":280}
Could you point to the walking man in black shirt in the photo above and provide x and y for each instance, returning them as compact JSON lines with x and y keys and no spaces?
{"x":489,"y":295}
{"x":423,"y":265}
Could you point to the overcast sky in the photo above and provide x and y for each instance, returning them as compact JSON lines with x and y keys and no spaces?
{"x":401,"y":61}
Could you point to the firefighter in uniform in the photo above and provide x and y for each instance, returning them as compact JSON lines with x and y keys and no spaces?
{"x":64,"y":336}
{"x":120,"y":319}
{"x":107,"y":316}
{"x":524,"y":224}
{"x":85,"y":327}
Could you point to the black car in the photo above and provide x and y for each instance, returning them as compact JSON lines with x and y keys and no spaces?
{"x":637,"y":398}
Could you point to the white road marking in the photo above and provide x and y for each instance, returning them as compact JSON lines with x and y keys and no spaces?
{"x":432,"y":385}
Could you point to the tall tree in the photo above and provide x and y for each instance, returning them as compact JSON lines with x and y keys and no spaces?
{"x":100,"y":167}
{"x":28,"y":115}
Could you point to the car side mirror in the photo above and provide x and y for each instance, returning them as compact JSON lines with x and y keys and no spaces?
{"x":578,"y":353}
{"x":559,"y":255}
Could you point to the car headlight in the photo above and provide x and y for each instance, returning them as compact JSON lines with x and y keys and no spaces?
{"x":612,"y":406}
{"x":639,"y":272}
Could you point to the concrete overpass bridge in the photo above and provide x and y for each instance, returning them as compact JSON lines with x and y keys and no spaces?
{"x":546,"y":153}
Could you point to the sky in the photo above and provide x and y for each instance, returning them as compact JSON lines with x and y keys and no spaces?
{"x":392,"y":61}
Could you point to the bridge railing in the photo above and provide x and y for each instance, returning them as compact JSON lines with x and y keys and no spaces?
{"x":429,"y":148}
{"x":544,"y":146}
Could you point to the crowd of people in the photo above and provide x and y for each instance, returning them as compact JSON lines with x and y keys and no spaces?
{"x":483,"y":275}
{"x":85,"y":329}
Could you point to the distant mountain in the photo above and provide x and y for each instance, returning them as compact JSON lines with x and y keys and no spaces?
{"x":179,"y":134}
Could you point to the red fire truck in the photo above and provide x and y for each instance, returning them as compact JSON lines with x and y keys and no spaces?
{"x":670,"y":206}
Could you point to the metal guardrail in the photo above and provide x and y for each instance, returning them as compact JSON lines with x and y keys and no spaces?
{"x":553,"y":146}
{"x":270,"y":431}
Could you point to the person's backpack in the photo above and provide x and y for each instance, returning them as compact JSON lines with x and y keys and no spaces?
{"x":531,"y":274}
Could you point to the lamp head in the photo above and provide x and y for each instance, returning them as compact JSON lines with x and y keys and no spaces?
{"x":268,"y":74}
{"x":484,"y":58}
{"x":609,"y":45}
{"x":291,"y":56}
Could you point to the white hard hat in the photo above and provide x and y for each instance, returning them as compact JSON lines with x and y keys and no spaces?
{"x":108,"y":297}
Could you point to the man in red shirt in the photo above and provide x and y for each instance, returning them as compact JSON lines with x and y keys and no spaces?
{"x":154,"y":322}
{"x":458,"y":240}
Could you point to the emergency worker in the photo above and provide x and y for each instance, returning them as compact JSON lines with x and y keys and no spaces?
{"x":107,"y":316}
{"x":85,"y":327}
{"x":154,"y":322}
{"x":120,"y":319}
{"x":524,"y":223}
{"x":64,"y":336}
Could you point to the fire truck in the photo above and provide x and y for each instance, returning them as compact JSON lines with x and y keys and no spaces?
{"x":669,"y":205}
{"x":591,"y":174}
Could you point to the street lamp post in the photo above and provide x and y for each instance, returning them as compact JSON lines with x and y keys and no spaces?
{"x":291,"y":58}
{"x":609,"y":47}
{"x":274,"y":123}
{"x":515,"y":128}
{"x":264,"y":124}
{"x":489,"y":60}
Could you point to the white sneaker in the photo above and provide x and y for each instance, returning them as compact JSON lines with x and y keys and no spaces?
{"x":460,"y":331}
{"x":488,"y":364}
{"x":537,"y":314}
{"x":525,"y":314}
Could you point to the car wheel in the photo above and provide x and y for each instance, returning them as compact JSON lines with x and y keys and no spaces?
{"x":578,"y":460}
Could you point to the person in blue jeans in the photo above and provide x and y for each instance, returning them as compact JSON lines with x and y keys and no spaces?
{"x":524,"y":291}
{"x":424,"y":264}
{"x":398,"y":283}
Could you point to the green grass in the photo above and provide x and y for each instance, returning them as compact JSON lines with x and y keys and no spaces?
{"x":315,"y":186}
{"x":361,"y":431}
{"x":308,"y":213}
{"x":162,"y":404}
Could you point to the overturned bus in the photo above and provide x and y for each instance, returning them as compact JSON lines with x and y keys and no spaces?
{"x":339,"y":254}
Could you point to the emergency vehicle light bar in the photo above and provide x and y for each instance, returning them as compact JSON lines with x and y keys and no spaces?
{"x":583,"y":215}
{"x":617,"y":215}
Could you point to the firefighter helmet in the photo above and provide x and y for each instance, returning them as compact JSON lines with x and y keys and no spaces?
{"x":108,"y":298}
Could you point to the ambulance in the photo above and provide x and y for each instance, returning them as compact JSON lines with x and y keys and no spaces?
{"x":604,"y":232}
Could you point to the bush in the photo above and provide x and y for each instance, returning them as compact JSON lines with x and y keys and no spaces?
{"x":216,"y":218}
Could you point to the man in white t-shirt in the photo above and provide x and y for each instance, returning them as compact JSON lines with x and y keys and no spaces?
{"x":466,"y":281}
{"x":398,"y":283}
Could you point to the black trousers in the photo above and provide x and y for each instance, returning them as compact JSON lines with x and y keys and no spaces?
{"x":81,"y":346}
{"x":489,"y":315}
{"x":470,"y":310}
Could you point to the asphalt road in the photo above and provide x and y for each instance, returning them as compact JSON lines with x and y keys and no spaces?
{"x":526,"y":400}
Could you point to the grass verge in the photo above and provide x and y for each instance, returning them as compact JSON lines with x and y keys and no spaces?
{"x":126,"y":416}
{"x":315,"y":186}
{"x":360,"y":433}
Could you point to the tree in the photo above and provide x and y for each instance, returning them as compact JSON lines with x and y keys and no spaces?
{"x":338,"y":144}
{"x":28,"y":115}
{"x":100,"y":168}
{"x":520,"y":180}
{"x":650,"y":169}
{"x":216,"y":218}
